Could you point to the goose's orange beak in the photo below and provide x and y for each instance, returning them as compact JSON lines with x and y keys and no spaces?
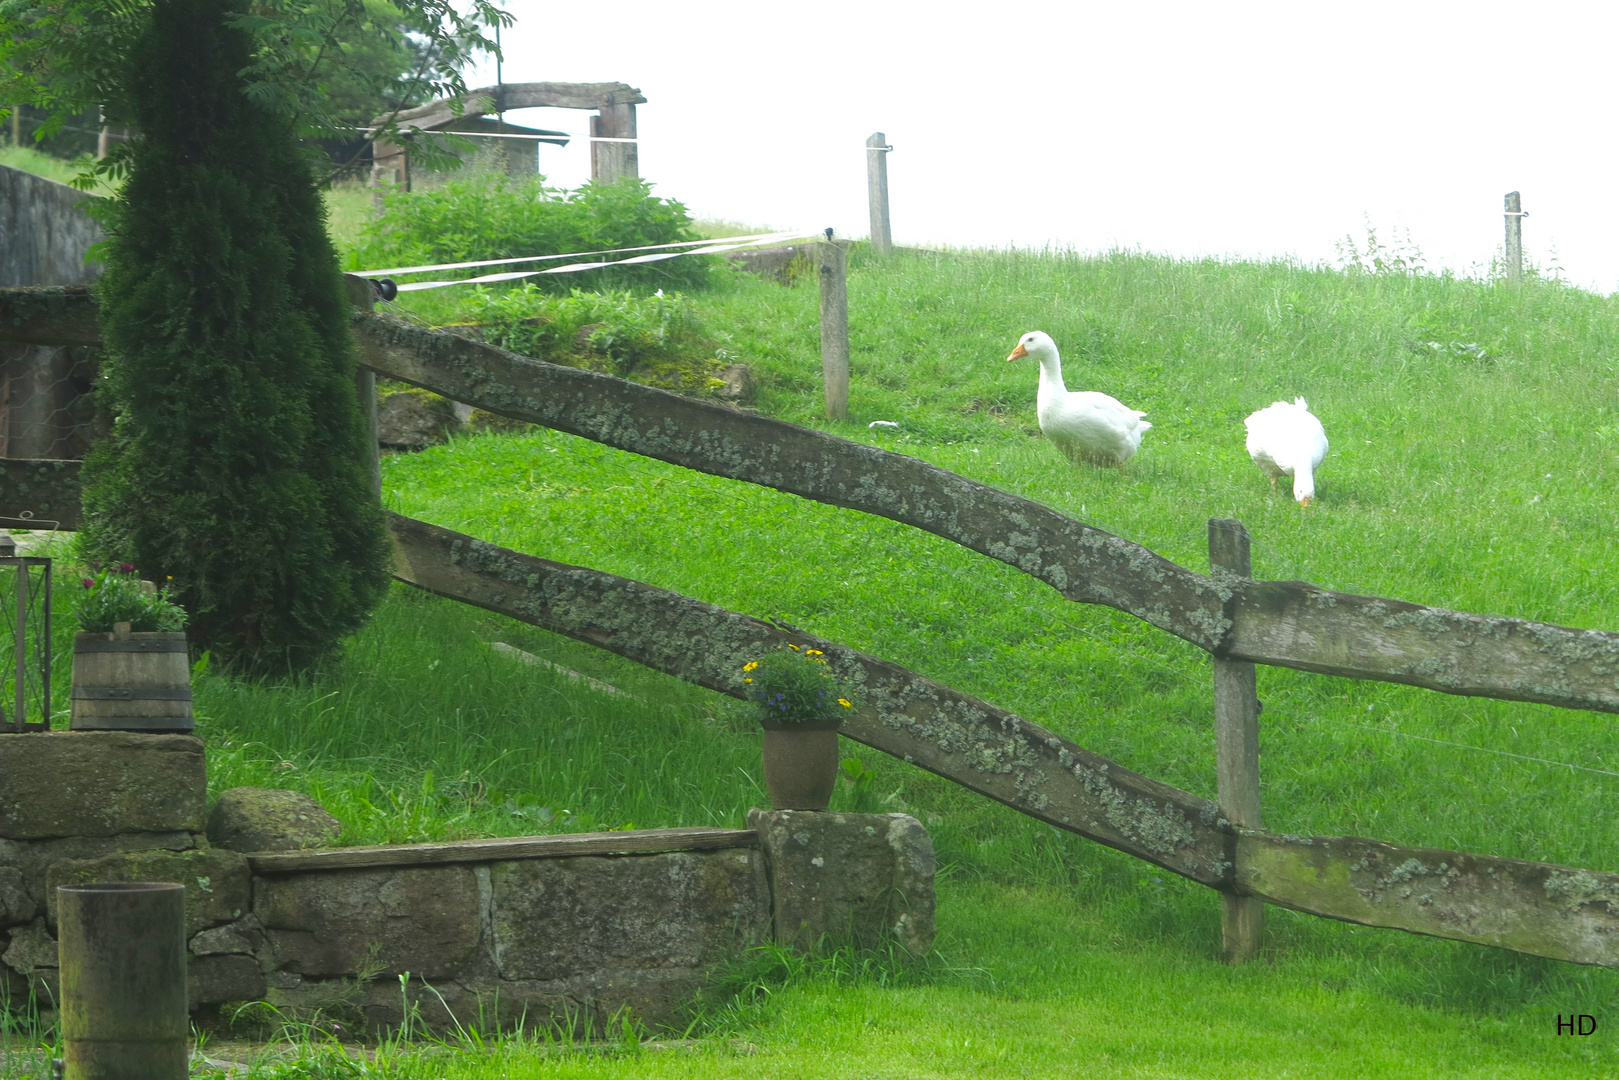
{"x":1018,"y":352}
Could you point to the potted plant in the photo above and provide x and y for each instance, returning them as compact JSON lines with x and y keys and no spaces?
{"x":800,"y":705}
{"x":130,"y":669}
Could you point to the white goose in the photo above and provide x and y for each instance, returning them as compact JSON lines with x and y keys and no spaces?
{"x":1287,"y":440}
{"x":1083,"y":424}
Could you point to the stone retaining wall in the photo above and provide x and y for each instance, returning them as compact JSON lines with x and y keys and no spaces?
{"x":571,"y":930}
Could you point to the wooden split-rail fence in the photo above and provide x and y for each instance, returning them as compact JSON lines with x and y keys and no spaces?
{"x":1537,"y":908}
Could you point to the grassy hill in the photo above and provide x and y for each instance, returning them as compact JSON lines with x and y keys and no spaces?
{"x":1475,"y":450}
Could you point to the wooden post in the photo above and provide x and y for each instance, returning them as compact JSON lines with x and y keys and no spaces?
{"x":832,"y":258}
{"x":1515,"y":216}
{"x":362,"y":296}
{"x":1236,"y":749}
{"x":882,"y":239}
{"x":611,"y":161}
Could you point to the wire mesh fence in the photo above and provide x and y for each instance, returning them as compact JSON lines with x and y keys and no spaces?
{"x":47,"y":408}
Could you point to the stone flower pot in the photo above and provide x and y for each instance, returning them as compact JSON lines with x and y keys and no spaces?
{"x":128,"y":681}
{"x":801,"y":762}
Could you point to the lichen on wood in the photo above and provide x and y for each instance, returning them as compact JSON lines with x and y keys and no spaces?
{"x":976,"y":744}
{"x":1528,"y":907}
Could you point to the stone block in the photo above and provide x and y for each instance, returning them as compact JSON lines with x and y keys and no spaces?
{"x":30,"y":949}
{"x":16,"y":906}
{"x":561,"y":918}
{"x":244,"y":936}
{"x":427,"y":920}
{"x":218,"y":885}
{"x":265,"y":819}
{"x":99,"y":783}
{"x":212,"y":980}
{"x":860,"y":879}
{"x":34,"y":858}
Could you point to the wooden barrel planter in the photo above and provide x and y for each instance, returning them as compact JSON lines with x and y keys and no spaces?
{"x":126,"y":681}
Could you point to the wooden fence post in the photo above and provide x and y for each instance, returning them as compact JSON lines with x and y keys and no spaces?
{"x":1515,"y":216}
{"x":611,"y":161}
{"x":882,"y":240}
{"x":1236,"y":749}
{"x":833,"y":259}
{"x":362,"y":295}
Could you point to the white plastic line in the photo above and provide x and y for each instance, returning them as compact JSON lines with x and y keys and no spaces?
{"x":416,"y":286}
{"x":511,"y":135}
{"x":575,"y":254}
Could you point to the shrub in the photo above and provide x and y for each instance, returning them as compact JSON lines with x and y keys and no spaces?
{"x":236,"y":460}
{"x":657,"y":340}
{"x":491,"y":216}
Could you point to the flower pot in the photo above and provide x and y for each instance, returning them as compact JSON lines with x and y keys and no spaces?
{"x":801,"y":763}
{"x":126,"y":681}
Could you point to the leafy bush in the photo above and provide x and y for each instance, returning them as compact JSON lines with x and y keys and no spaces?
{"x":490,"y":216}
{"x":657,"y":340}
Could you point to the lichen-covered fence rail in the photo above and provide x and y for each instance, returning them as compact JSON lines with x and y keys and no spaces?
{"x":1529,"y":907}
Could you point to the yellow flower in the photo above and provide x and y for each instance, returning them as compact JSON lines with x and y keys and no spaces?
{"x":747,"y":680}
{"x":846,"y":703}
{"x":812,"y":652}
{"x":793,"y":647}
{"x":749,"y":666}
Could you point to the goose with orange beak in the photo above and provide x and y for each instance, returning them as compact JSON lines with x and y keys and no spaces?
{"x":1087,"y":426}
{"x":1287,"y":440}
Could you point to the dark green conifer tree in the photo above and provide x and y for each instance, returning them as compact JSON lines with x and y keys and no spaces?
{"x":235,"y":464}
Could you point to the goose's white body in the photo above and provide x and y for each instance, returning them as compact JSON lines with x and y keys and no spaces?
{"x":1084,"y":424}
{"x":1287,"y":440}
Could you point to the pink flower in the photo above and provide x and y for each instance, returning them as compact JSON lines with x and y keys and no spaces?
{"x":89,"y":583}
{"x":126,"y":568}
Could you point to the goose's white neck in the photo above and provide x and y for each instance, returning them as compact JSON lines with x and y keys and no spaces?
{"x":1050,"y":371}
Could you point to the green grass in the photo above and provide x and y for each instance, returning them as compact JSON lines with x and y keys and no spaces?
{"x":1075,"y":960}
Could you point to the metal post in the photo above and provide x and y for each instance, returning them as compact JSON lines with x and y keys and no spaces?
{"x":20,"y":645}
{"x":877,"y":148}
{"x":832,"y":259}
{"x":1515,"y":216}
{"x":1236,"y":748}
{"x":122,"y":951}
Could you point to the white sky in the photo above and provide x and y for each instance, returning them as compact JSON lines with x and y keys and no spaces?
{"x":1251,"y":129}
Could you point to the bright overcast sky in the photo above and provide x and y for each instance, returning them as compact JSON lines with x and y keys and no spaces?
{"x":1242,"y":129}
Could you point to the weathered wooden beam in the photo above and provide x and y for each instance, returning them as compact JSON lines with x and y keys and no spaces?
{"x":39,"y":489}
{"x":1082,"y":563}
{"x":969,"y":741}
{"x":1535,"y":908}
{"x":509,"y":96}
{"x":1527,"y":907}
{"x":503,"y":849}
{"x":49,"y":315}
{"x":1294,"y":624}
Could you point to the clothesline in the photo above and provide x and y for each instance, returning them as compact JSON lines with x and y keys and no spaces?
{"x":712,"y":248}
{"x":750,"y":238}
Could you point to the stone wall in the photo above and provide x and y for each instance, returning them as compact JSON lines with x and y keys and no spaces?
{"x":46,"y":232}
{"x":571,"y":931}
{"x":46,"y":410}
